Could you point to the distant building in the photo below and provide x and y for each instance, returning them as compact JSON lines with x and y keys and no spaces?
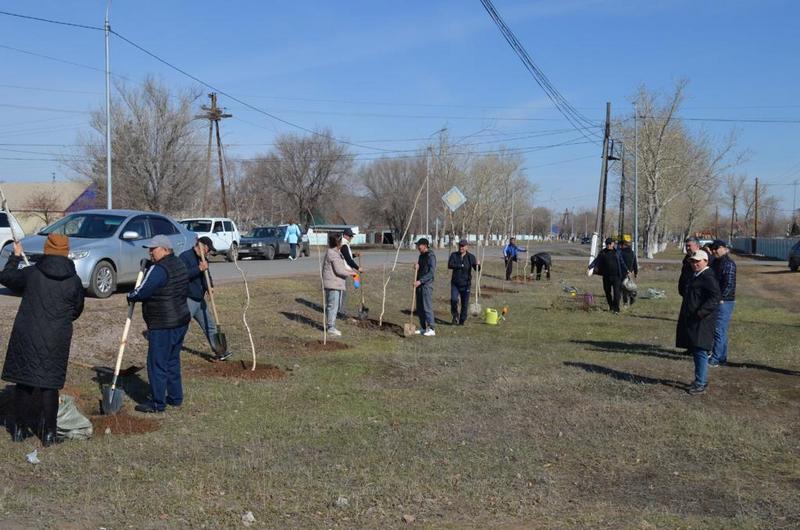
{"x":37,"y":204}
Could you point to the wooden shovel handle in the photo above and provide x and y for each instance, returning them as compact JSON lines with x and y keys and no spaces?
{"x":124,"y":341}
{"x":413,"y":299}
{"x":210,"y":289}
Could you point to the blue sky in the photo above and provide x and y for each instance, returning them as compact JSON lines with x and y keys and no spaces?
{"x":385,"y":74}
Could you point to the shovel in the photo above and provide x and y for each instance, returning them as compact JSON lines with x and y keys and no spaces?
{"x":219,"y":337}
{"x":113,"y":397}
{"x":409,"y":329}
{"x":363,"y":311}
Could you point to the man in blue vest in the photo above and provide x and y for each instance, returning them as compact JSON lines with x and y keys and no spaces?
{"x":163,"y":296}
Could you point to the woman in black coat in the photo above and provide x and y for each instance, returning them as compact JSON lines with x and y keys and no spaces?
{"x":38,"y":350}
{"x":697,"y":318}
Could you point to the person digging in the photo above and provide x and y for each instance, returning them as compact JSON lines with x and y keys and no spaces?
{"x":164,"y":309}
{"x":38,"y":350}
{"x":462,"y":263}
{"x":196,"y":265}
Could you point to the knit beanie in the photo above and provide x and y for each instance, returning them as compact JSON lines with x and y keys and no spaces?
{"x":57,"y":245}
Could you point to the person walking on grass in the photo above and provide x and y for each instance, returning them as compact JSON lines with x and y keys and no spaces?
{"x":425,"y":271}
{"x":610,"y":265}
{"x":510,"y":252}
{"x":334,"y":281}
{"x":38,"y":350}
{"x":632,"y":264}
{"x":347,"y":254}
{"x":293,"y":236}
{"x":698,"y":317}
{"x":462,"y":263}
{"x":725,"y":272}
{"x":166,"y":313}
{"x":197,"y":292}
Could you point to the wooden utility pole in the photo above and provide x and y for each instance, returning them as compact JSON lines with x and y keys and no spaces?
{"x":622,"y":196}
{"x":733,"y":216}
{"x":755,"y":221}
{"x":214,"y":114}
{"x":601,"y":198}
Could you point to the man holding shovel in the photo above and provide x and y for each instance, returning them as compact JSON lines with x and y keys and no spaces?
{"x":425,"y":267}
{"x":462,"y":263}
{"x":164,"y":309}
{"x":196,"y":265}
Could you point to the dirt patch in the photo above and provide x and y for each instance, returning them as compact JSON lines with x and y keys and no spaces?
{"x":490,"y":289}
{"x":239,"y":370}
{"x":332,"y":345}
{"x":122,"y":424}
{"x":375,"y":325}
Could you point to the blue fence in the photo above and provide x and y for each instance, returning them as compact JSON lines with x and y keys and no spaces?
{"x":777,"y":248}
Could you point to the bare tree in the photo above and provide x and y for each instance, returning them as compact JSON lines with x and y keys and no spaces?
{"x":391,"y":185}
{"x":44,"y":205}
{"x":156,"y":149}
{"x":304,"y":171}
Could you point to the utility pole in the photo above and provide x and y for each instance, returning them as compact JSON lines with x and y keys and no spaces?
{"x":636,"y":179}
{"x":755,"y":221}
{"x":214,"y":114}
{"x":601,"y":199}
{"x":733,"y":216}
{"x":622,"y":196}
{"x":107,"y":31}
{"x":428,"y":191}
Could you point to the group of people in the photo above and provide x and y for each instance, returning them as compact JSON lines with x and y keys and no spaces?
{"x":172,"y":293}
{"x":616,"y":263}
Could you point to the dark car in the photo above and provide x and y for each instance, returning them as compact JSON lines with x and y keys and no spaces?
{"x":586,"y":240}
{"x":267,"y":242}
{"x":794,"y":257}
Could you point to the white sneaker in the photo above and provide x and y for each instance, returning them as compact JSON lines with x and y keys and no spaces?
{"x":335,"y":332}
{"x":418,"y":332}
{"x":291,"y":258}
{"x":430,"y":332}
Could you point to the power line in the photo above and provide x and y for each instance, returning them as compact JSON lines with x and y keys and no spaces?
{"x":728,"y":120}
{"x":51,"y":21}
{"x":46,"y":109}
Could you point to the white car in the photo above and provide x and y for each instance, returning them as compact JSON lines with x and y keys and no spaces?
{"x":6,"y":221}
{"x":221,"y":230}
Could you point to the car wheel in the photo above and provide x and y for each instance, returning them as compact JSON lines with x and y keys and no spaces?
{"x":103,"y":281}
{"x":269,"y":253}
{"x":233,"y":253}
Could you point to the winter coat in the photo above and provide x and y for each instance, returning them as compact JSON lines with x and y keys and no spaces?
{"x":197,"y":288}
{"x":687,"y":272}
{"x":52,"y":298}
{"x":462,"y":267}
{"x":697,"y":319}
{"x":427,"y":268}
{"x":335,"y":271}
{"x":609,"y":263}
{"x":542,"y":257}
{"x":631,"y":263}
{"x":293,"y":234}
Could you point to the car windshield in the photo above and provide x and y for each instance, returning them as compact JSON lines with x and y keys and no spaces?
{"x":197,"y":225}
{"x":87,"y":225}
{"x":269,"y":231}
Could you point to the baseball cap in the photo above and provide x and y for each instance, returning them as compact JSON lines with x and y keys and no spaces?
{"x":207,"y":242}
{"x":423,"y":241}
{"x":348,"y":232}
{"x":159,"y":241}
{"x":699,"y":256}
{"x":718,"y":243}
{"x":463,"y":243}
{"x":609,"y":240}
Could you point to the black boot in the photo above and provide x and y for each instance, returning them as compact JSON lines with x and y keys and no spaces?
{"x":51,"y":438}
{"x":18,"y":432}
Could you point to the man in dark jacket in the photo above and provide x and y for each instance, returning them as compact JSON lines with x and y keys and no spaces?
{"x":692,"y":245}
{"x":610,"y":265}
{"x":196,"y":264}
{"x":462,"y":263}
{"x":425,"y":269}
{"x":163,"y":296}
{"x":510,"y":252}
{"x":347,"y":254}
{"x":38,"y":350}
{"x":725,"y":272}
{"x":541,"y":260}
{"x":697,"y":318}
{"x":632,"y":264}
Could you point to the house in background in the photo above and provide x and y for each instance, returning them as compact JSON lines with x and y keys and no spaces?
{"x":38,"y":204}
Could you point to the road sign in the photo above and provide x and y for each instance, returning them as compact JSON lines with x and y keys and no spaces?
{"x":454,"y":199}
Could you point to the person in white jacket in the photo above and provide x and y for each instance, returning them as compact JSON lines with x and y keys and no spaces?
{"x":334,"y":280}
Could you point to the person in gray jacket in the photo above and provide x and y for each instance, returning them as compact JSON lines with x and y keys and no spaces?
{"x":425,"y":268}
{"x":334,"y":275}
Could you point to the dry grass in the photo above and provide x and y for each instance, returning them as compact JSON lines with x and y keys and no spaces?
{"x":555,"y":418}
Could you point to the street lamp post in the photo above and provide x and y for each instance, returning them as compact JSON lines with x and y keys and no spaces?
{"x":107,"y":31}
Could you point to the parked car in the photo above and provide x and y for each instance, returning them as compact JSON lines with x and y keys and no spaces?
{"x":794,"y":257}
{"x":266,"y":242}
{"x":586,"y":240}
{"x":221,"y":230}
{"x":6,"y":220}
{"x":107,"y":245}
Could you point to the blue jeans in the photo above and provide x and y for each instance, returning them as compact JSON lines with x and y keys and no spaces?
{"x":164,"y":366}
{"x":720,"y":351}
{"x":332,"y":305}
{"x":200,"y":313}
{"x":293,"y":250}
{"x":700,"y":366}
{"x":459,"y":293}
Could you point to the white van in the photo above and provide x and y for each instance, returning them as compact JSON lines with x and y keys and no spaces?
{"x":221,"y":230}
{"x":6,"y":220}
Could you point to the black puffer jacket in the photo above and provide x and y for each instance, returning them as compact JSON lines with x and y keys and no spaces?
{"x":697,"y":318}
{"x":52,"y":298}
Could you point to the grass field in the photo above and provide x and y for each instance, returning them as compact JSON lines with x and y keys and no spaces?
{"x":556,"y":418}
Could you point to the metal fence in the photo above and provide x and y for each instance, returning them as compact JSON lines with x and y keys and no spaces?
{"x":777,"y":248}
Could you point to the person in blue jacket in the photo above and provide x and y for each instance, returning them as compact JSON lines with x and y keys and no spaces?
{"x":510,"y":252}
{"x":293,"y":235}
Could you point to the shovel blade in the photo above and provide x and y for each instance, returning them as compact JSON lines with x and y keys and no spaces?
{"x":112,"y":400}
{"x":409,"y":330}
{"x":221,"y":343}
{"x":475,"y":309}
{"x":363,"y":313}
